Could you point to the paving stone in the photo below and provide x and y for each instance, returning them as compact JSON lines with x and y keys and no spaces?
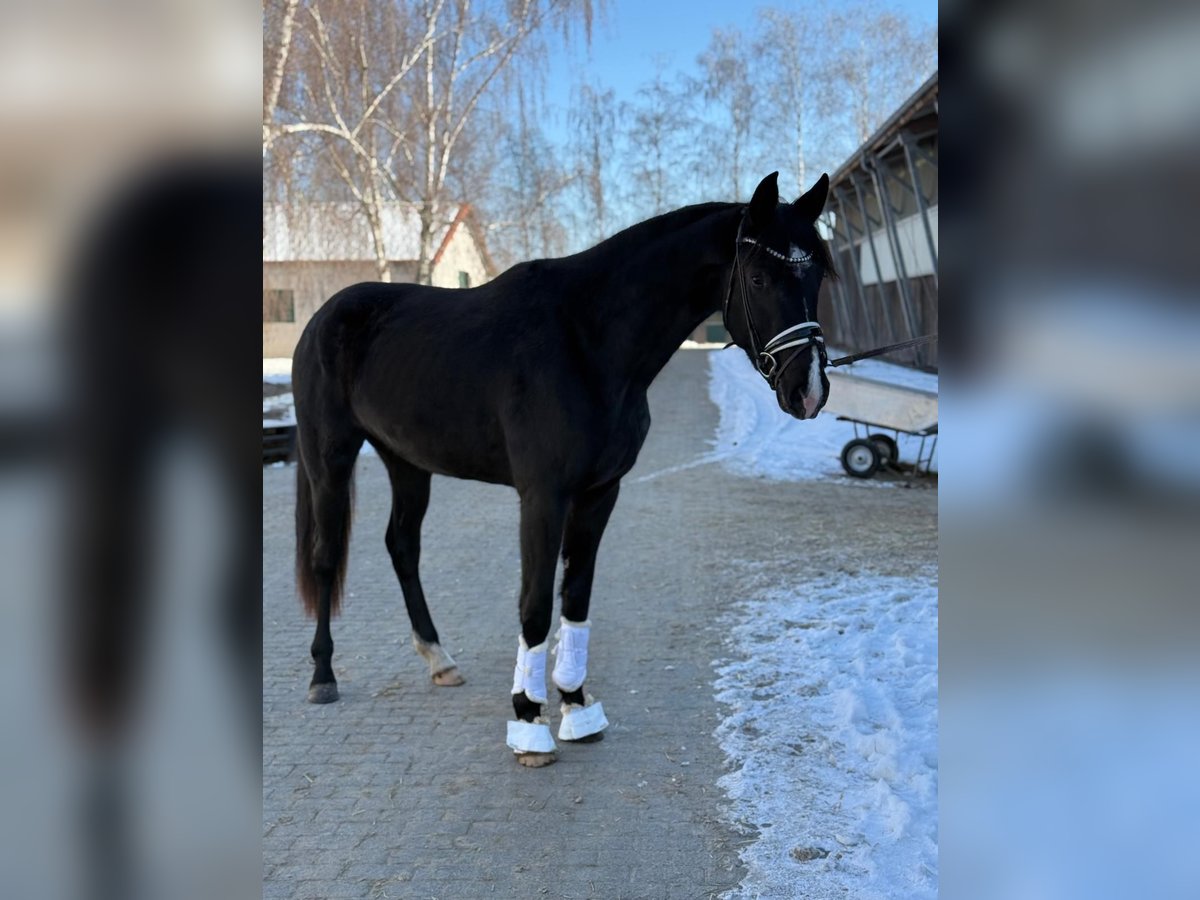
{"x":403,"y":789}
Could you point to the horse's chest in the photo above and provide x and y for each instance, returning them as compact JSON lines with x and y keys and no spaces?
{"x":629,"y":426}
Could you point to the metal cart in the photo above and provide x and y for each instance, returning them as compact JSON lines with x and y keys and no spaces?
{"x":870,"y":404}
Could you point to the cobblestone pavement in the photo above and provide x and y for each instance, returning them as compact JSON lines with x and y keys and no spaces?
{"x":404,"y":789}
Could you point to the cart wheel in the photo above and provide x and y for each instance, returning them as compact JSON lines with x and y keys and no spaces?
{"x":860,"y":458}
{"x":889,"y":453}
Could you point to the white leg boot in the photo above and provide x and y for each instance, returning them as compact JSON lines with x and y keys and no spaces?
{"x":531,"y":741}
{"x":570,"y":672}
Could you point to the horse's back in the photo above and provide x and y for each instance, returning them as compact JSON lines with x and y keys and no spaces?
{"x":420,"y":371}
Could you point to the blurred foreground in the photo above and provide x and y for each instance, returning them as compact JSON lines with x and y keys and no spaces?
{"x":129,"y":217}
{"x":1070,"y":476}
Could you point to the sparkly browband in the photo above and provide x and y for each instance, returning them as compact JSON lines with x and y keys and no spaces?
{"x":790,"y":260}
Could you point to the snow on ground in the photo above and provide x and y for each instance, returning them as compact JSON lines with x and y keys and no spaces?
{"x":832,"y":697}
{"x":757,"y":438}
{"x":277,"y":370}
{"x":831,"y":690}
{"x":279,"y":410}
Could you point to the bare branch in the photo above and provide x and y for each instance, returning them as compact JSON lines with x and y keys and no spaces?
{"x":275,"y":82}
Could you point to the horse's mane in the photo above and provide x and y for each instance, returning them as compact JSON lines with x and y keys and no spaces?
{"x":641,"y":232}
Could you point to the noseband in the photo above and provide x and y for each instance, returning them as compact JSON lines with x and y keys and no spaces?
{"x":792,"y":338}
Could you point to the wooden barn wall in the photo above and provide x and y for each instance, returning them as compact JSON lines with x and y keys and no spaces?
{"x":850,"y":327}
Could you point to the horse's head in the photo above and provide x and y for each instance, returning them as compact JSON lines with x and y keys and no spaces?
{"x":771,"y":308}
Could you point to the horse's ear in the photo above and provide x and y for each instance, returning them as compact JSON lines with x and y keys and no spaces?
{"x":811,"y":203}
{"x":764,"y":201}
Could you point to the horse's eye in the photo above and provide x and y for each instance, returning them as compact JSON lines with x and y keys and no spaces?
{"x":756,"y":280}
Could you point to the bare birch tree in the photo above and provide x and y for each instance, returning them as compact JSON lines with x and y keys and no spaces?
{"x":476,"y":46}
{"x":350,"y":59}
{"x":724,"y":83}
{"x":658,"y":120}
{"x":593,"y":123}
{"x":279,"y":19}
{"x":524,"y":194}
{"x":387,"y":90}
{"x":788,"y":54}
{"x":880,"y":57}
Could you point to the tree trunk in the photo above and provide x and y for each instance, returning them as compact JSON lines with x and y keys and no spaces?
{"x":425,"y":254}
{"x":382,"y":270}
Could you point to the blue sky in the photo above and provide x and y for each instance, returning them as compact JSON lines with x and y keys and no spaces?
{"x":635,"y":31}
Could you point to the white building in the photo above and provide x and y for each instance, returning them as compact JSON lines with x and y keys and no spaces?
{"x":311,"y":252}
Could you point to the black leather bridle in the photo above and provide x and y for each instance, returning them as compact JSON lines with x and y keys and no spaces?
{"x":793,"y":338}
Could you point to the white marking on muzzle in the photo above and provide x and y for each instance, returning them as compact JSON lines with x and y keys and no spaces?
{"x":814,"y":396}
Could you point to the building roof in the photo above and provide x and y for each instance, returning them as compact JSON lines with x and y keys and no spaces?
{"x":338,"y":232}
{"x":919,"y":111}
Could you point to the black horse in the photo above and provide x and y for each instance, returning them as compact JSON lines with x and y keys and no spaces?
{"x":538,"y":380}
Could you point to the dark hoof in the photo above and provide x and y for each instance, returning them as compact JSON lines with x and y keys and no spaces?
{"x":586,"y":739}
{"x":323,"y":693}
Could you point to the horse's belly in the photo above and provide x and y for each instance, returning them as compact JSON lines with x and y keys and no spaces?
{"x":449,"y":448}
{"x":447,"y":462}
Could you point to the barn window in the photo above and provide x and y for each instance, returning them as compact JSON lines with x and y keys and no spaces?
{"x":464,"y":279}
{"x":279,"y":306}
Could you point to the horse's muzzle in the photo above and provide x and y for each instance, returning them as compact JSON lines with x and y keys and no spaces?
{"x":803,"y":401}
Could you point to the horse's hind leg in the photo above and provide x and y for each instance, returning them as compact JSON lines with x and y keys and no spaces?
{"x":583,"y":719}
{"x":410,"y":499}
{"x":325,"y":485}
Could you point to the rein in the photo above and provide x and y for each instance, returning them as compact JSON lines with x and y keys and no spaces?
{"x":879,"y":351}
{"x":795,"y":336}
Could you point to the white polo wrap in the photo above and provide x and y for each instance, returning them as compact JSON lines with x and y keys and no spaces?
{"x":570,"y":655}
{"x":530,"y":674}
{"x":530,"y":737}
{"x":581,"y":721}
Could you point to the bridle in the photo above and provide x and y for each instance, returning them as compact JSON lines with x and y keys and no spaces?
{"x":792,"y":338}
{"x":795,"y":336}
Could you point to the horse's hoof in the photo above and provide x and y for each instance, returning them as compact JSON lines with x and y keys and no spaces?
{"x":448,"y":677}
{"x":323,"y":693}
{"x":586,"y":739}
{"x":532,"y":743}
{"x":536,"y":760}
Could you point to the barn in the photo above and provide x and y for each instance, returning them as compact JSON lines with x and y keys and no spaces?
{"x":882,"y":224}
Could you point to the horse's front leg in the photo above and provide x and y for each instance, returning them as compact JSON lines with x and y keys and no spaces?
{"x":542,"y":518}
{"x":582,"y":718}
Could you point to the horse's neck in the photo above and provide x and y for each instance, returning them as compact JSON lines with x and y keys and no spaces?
{"x":664,"y":289}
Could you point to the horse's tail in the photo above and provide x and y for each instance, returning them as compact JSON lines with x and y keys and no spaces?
{"x":306,"y":578}
{"x":322,"y":536}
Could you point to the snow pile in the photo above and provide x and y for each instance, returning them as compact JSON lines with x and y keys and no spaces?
{"x":757,"y":438}
{"x":833,"y":725}
{"x":279,"y":410}
{"x":277,"y":370}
